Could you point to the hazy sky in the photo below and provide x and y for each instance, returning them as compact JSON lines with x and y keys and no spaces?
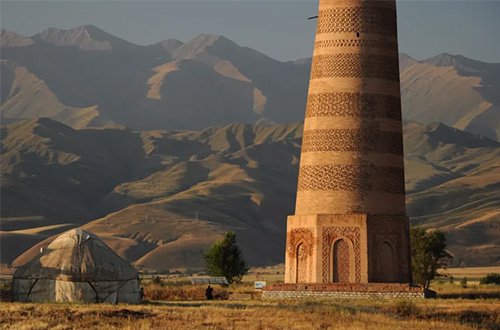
{"x":279,"y":29}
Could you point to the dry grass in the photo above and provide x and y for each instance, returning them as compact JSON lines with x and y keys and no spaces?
{"x":173,"y":303}
{"x":179,"y":293}
{"x":186,"y":309}
{"x":470,"y":291}
{"x":256,"y":314}
{"x":179,"y":290}
{"x":470,"y":272}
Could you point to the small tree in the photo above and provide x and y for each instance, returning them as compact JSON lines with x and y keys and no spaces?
{"x":428,"y":254}
{"x":224,"y":259}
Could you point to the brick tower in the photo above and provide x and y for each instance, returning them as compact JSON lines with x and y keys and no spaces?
{"x":350,"y":224}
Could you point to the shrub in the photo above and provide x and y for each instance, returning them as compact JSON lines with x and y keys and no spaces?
{"x":491,"y":279}
{"x":405,"y":309}
{"x":5,"y":291}
{"x":157,"y":280}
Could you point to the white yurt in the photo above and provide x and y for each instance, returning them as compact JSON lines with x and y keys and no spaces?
{"x":77,"y":267}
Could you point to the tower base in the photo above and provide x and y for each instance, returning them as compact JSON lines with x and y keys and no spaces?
{"x":343,"y":291}
{"x":348,"y":249}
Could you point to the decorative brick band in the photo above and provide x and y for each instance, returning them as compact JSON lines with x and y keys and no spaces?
{"x":357,"y":19}
{"x":351,"y":178}
{"x":362,"y":140}
{"x":356,"y":43}
{"x":356,"y":65}
{"x":365,"y":105}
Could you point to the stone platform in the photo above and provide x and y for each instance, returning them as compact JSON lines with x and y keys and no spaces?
{"x":336,"y":290}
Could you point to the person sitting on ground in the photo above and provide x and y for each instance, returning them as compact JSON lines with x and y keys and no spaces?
{"x":208,"y":293}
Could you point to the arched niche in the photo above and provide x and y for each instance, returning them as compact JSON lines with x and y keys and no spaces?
{"x":342,"y":261}
{"x":387,"y":264}
{"x":302,"y":262}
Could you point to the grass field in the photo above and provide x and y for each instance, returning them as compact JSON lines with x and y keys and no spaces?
{"x":173,"y":303}
{"x":256,"y":314}
{"x":473,"y":274}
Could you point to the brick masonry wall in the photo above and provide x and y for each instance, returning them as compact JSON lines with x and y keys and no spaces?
{"x":277,"y":295}
{"x":333,"y":291}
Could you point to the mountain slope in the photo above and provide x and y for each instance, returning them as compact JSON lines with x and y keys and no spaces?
{"x":61,"y":173}
{"x":452,"y":184}
{"x":158,"y":220}
{"x":405,"y":61}
{"x":212,"y":81}
{"x":24,"y":95}
{"x":12,"y":39}
{"x":215,"y":80}
{"x":160,"y":198}
{"x":85,"y":37}
{"x":454,"y":90}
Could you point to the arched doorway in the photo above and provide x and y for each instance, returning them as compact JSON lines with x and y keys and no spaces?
{"x":301,"y":276}
{"x":387,"y":264}
{"x":341,"y":262}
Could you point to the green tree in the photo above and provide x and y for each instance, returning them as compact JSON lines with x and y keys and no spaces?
{"x":224,"y":259}
{"x":428,"y":254}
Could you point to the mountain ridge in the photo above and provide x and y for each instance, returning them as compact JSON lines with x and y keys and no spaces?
{"x":11,"y":39}
{"x":211,"y":81}
{"x":160,"y":197}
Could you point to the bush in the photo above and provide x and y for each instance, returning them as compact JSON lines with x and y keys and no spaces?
{"x":491,"y":279}
{"x":451,"y":279}
{"x":464,"y":282}
{"x":5,"y":292}
{"x":157,"y":280}
{"x":405,"y":309}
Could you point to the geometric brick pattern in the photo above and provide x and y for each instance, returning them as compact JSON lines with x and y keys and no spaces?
{"x":363,"y":140}
{"x":302,"y":259}
{"x":341,"y":261}
{"x":355,"y":65}
{"x":356,"y":43}
{"x":351,"y":178}
{"x":363,"y":105}
{"x":329,"y":235}
{"x":357,"y":19}
{"x":306,"y":238}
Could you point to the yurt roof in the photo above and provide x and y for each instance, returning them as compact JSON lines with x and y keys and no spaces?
{"x":77,"y":255}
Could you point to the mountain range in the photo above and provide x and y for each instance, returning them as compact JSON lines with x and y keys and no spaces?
{"x":160,"y":148}
{"x":160,"y":198}
{"x":85,"y":77}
